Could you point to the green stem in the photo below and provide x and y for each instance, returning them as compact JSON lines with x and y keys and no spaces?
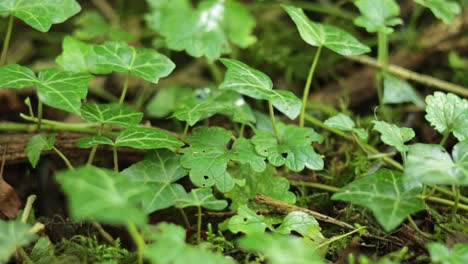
{"x":11,"y":126}
{"x":39,"y":114}
{"x":6,"y":41}
{"x":456,"y":201}
{"x":63,"y":157}
{"x":27,"y":102}
{"x":336,"y":238}
{"x":92,"y":154}
{"x":443,"y":201}
{"x":314,"y":185}
{"x":116,"y":158}
{"x":27,"y":208}
{"x":450,"y":193}
{"x":273,"y":120}
{"x":124,"y":90}
{"x":416,"y":228}
{"x":241,"y":131}
{"x":305,"y":96}
{"x":24,"y":256}
{"x":445,"y":138}
{"x":186,"y":128}
{"x":138,"y":239}
{"x":184,"y":217}
{"x":199,"y":224}
{"x":382,"y":58}
{"x":215,"y":72}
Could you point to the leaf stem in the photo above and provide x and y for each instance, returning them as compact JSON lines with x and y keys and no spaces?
{"x":314,"y":185}
{"x":382,"y":58}
{"x":215,"y":72}
{"x":27,"y":208}
{"x":39,"y":114}
{"x":273,"y":120}
{"x":138,"y":239}
{"x":416,"y":228}
{"x":6,"y":41}
{"x":199,"y":224}
{"x":241,"y":131}
{"x":116,"y":158}
{"x":92,"y":154}
{"x":450,"y":193}
{"x":305,"y":96}
{"x":63,"y":157}
{"x":456,"y":200}
{"x":186,"y":128}
{"x":125,"y":89}
{"x":444,"y":138}
{"x":336,"y":238}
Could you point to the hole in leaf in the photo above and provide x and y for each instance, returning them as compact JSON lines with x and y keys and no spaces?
{"x":206,"y":177}
{"x":245,"y":219}
{"x":284,"y":155}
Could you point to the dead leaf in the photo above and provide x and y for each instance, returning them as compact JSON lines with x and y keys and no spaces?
{"x":9,"y":200}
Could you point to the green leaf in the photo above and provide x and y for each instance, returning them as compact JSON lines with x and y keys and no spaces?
{"x":443,"y":9}
{"x":168,"y":247}
{"x":247,"y":221}
{"x":253,"y":83}
{"x":91,"y":25}
{"x":281,"y":249}
{"x":294,"y":149}
{"x":303,"y":224}
{"x":160,"y":9}
{"x":458,"y":254}
{"x":111,"y":114}
{"x":40,"y":14}
{"x":167,"y":100}
{"x":448,"y":113}
{"x":102,"y":195}
{"x":146,"y":138}
{"x":384,"y":192}
{"x":244,"y":152}
{"x":393,"y":135}
{"x":209,"y":30}
{"x":431,"y":164}
{"x":13,"y":234}
{"x":378,"y":16}
{"x":76,"y":56}
{"x":87,"y":142}
{"x":118,"y":56}
{"x":159,"y":171}
{"x":201,"y":197}
{"x":207,"y":157}
{"x":345,"y":123}
{"x":36,"y":145}
{"x":323,"y":35}
{"x":398,"y":91}
{"x":16,"y":76}
{"x":267,"y":183}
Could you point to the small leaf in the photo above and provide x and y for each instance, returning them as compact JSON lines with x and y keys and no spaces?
{"x":102,"y":195}
{"x":244,"y":152}
{"x":253,"y":83}
{"x":443,"y":9}
{"x":91,"y":25}
{"x":167,"y":100}
{"x":303,"y":224}
{"x":168,"y":247}
{"x":345,"y":123}
{"x":386,"y":194}
{"x":458,"y":254}
{"x":36,"y":145}
{"x":294,"y":149}
{"x":378,"y":16}
{"x":87,"y":142}
{"x":266,"y":182}
{"x":76,"y":56}
{"x":398,"y":91}
{"x":281,"y":249}
{"x":393,"y":135}
{"x":146,"y":138}
{"x":111,"y":114}
{"x":16,"y":76}
{"x":431,"y":164}
{"x":448,"y":113}
{"x":323,"y":35}
{"x":118,"y":56}
{"x":201,"y":197}
{"x":247,"y":222}
{"x":14,"y":234}
{"x":40,"y":14}
{"x":159,"y":171}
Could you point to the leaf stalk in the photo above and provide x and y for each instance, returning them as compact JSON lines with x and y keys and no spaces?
{"x":305,"y":95}
{"x":273,"y":121}
{"x":6,"y":42}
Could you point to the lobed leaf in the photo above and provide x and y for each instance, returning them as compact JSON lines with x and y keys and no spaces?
{"x":13,"y":234}
{"x":76,"y":56}
{"x":16,"y":76}
{"x":248,"y":222}
{"x":398,"y":91}
{"x":36,"y":145}
{"x":303,"y":224}
{"x":393,"y":135}
{"x":87,"y":142}
{"x":111,"y":114}
{"x":457,"y":254}
{"x":146,"y":138}
{"x":378,"y":16}
{"x":345,"y":123}
{"x":443,"y":9}
{"x":201,"y":197}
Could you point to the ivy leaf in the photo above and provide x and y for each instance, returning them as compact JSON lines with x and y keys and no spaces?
{"x":345,"y":123}
{"x":168,"y":247}
{"x":111,"y":114}
{"x":323,"y":35}
{"x":159,"y":171}
{"x":442,"y":9}
{"x":301,"y":223}
{"x":281,"y":249}
{"x":102,"y":195}
{"x":244,"y":152}
{"x":87,"y":142}
{"x":386,"y":194}
{"x":207,"y":30}
{"x":207,"y":157}
{"x":76,"y":56}
{"x":16,"y":76}
{"x":167,"y":100}
{"x":146,"y":138}
{"x":91,"y":25}
{"x":294,"y":149}
{"x":118,"y":56}
{"x":448,"y":113}
{"x":378,"y":16}
{"x":14,"y":234}
{"x":250,"y":82}
{"x":266,"y":182}
{"x":398,"y":91}
{"x":393,"y":135}
{"x":458,"y":254}
{"x":37,"y":144}
{"x":201,"y":197}
{"x":40,"y":14}
{"x":431,"y":164}
{"x":247,"y":221}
